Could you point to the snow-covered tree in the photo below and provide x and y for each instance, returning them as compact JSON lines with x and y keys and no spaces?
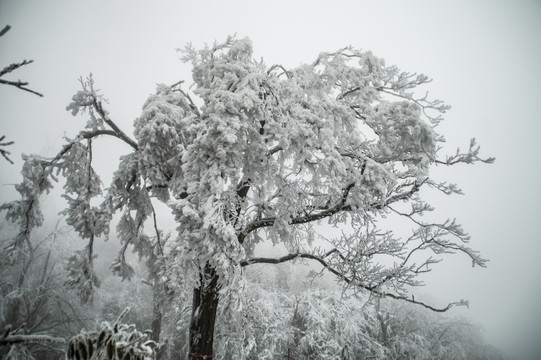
{"x":323,"y":323}
{"x":258,"y":152}
{"x":37,"y":312}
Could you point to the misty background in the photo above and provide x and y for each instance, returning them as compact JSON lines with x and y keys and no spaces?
{"x":484,"y":57}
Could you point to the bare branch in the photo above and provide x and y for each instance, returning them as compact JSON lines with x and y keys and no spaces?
{"x":15,"y":66}
{"x":21,"y":85}
{"x":4,"y":152}
{"x":6,"y":70}
{"x":4,"y":30}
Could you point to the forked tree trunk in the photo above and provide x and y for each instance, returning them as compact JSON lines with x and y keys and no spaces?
{"x":205,"y":305}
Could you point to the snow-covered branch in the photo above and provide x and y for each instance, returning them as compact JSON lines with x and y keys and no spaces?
{"x":469,"y":157}
{"x":118,"y":132}
{"x":349,"y":280}
{"x":30,"y":339}
{"x":323,"y":213}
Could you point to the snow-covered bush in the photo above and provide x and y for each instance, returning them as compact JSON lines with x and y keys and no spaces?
{"x":117,"y":341}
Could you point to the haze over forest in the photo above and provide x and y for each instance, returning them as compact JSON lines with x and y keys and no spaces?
{"x":483,"y":60}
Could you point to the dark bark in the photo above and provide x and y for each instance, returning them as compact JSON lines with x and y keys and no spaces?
{"x":156,"y":314}
{"x":205,"y":306}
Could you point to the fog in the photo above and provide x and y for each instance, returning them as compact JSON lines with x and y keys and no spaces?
{"x":484,"y":58}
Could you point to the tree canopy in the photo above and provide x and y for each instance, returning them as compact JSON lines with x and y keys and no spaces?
{"x":259,"y":152}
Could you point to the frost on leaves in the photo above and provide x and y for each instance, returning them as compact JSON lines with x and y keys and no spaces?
{"x":345,"y":139}
{"x":268,"y":152}
{"x":117,"y":341}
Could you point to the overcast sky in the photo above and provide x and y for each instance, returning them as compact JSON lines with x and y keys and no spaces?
{"x":484,"y":57}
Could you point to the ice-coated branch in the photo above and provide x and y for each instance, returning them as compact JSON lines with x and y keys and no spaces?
{"x":193,"y":107}
{"x":83,"y":135}
{"x":324,"y":213}
{"x":9,"y":336}
{"x":119,"y":133}
{"x":469,"y":157}
{"x":350,"y":281}
{"x":31,"y":339}
{"x":433,"y":236}
{"x":289,"y":74}
{"x":88,"y":99}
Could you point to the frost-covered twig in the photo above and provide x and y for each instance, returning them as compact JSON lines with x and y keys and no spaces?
{"x":351,"y":281}
{"x":469,"y":157}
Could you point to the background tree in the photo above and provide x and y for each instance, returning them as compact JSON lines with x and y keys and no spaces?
{"x":263,"y":153}
{"x":316,"y":319}
{"x":37,"y":312}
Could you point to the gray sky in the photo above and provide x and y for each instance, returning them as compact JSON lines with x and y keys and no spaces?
{"x":484,"y":57}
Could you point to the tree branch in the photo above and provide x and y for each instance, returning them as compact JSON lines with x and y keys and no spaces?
{"x":193,"y":107}
{"x":3,"y":152}
{"x":469,"y":157}
{"x":329,"y":211}
{"x":21,"y":85}
{"x":326,"y":265}
{"x":120,"y":134}
{"x":87,"y":135}
{"x":18,"y":84}
{"x":4,"y":30}
{"x":30,"y":339}
{"x":265,"y":222}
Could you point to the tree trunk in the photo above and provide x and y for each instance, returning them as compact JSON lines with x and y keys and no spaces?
{"x":12,"y":317}
{"x":157,"y":319}
{"x":205,"y":305}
